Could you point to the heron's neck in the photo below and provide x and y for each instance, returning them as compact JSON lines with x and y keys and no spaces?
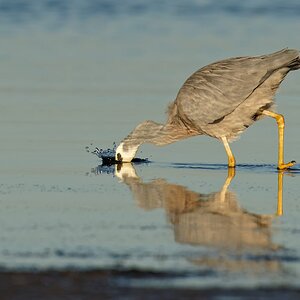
{"x":157,"y":134}
{"x":170,"y":133}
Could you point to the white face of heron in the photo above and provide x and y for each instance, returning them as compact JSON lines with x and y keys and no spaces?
{"x":125,"y":156}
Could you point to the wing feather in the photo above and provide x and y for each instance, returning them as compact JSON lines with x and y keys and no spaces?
{"x":216,"y":90}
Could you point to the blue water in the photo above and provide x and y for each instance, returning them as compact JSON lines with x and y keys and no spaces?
{"x":18,"y":10}
{"x":78,"y":74}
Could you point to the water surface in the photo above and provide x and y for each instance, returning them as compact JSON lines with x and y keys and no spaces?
{"x":84,"y":73}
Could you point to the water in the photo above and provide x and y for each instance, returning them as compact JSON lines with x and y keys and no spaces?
{"x":108,"y":156}
{"x":76,"y":73}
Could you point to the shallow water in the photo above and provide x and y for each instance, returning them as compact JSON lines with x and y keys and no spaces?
{"x":84,"y":73}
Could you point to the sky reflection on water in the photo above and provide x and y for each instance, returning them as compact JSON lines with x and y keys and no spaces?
{"x":76,"y":73}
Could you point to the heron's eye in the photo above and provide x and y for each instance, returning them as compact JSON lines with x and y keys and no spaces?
{"x":119,"y":157}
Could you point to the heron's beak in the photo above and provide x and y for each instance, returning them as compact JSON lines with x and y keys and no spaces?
{"x":125,"y":154}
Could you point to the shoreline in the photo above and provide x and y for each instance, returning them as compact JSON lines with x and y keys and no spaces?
{"x":105,"y":284}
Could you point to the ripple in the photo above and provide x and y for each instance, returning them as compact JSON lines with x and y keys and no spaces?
{"x":34,"y":10}
{"x":264,"y":168}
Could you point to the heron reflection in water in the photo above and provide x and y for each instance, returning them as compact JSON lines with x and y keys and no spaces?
{"x":214,"y":220}
{"x":220,"y":100}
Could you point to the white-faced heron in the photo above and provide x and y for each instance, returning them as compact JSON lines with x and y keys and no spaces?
{"x":220,"y":100}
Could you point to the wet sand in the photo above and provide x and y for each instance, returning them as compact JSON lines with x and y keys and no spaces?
{"x":97,"y":284}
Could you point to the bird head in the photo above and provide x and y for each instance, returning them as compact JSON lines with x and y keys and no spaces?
{"x":125,"y":153}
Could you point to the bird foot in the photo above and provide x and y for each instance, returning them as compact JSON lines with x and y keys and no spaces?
{"x":286,"y":166}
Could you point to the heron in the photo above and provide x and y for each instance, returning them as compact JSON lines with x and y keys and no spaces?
{"x":220,"y":100}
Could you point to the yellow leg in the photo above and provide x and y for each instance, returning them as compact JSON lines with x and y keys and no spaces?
{"x":231,"y":159}
{"x":279,"y":195}
{"x":230,"y":176}
{"x":280,"y":122}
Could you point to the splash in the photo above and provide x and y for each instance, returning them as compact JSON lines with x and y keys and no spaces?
{"x":108,"y":155}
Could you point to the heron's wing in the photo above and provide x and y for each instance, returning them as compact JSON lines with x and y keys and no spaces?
{"x":216,"y":90}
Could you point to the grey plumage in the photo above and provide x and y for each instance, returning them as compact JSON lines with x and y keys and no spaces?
{"x":226,"y":97}
{"x":220,"y":100}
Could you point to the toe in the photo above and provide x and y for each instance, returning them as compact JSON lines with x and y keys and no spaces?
{"x":286,"y":166}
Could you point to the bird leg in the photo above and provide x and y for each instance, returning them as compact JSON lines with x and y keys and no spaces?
{"x":231,"y":159}
{"x":280,"y":122}
{"x":279,"y":193}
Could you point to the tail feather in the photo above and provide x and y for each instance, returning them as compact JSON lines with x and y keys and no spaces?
{"x":289,"y":58}
{"x":295,"y":64}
